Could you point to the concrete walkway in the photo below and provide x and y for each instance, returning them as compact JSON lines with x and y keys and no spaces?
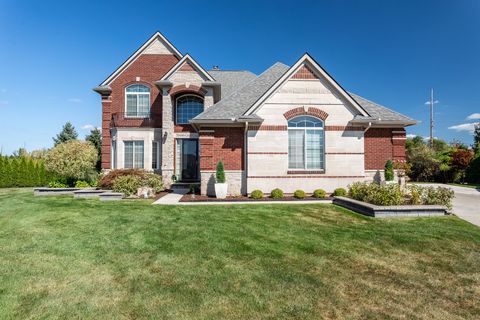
{"x":466,"y":203}
{"x":173,"y":197}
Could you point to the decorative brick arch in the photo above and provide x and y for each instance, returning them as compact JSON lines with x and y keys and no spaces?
{"x":190,"y":89}
{"x":301,"y":111}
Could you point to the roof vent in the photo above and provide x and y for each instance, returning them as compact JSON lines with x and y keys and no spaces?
{"x":216,"y":68}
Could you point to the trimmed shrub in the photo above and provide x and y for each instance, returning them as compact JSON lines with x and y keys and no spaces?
{"x":339,"y":192}
{"x":299,"y":194}
{"x":389,"y":175}
{"x":153,"y":181}
{"x":319,"y":193}
{"x":82,"y":184}
{"x":220,"y":173}
{"x":256,"y":194}
{"x":376,"y":194}
{"x":128,"y":185}
{"x":276,"y":193}
{"x":106,"y":181}
{"x":439,"y":196}
{"x":72,"y":160}
{"x":22,"y":171}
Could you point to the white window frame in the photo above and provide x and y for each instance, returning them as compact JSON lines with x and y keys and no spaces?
{"x":137,"y":94}
{"x":305,"y":129}
{"x":183,"y":96}
{"x":134,"y":153}
{"x":156,"y":146}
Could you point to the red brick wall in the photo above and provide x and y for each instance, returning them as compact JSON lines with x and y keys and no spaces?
{"x":149,"y":67}
{"x":224,"y":144}
{"x":382,"y":144}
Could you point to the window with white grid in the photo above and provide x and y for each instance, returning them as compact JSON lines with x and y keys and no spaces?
{"x":133,"y":154}
{"x":306,"y":143}
{"x":137,"y":101}
{"x":188,"y":107}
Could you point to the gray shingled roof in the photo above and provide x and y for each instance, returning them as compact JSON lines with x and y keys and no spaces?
{"x":232,"y":80}
{"x":236,"y":102}
{"x":379,"y":112}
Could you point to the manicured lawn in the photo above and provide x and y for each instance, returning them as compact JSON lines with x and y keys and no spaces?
{"x":69,"y":258}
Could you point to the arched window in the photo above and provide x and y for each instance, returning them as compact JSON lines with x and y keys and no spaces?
{"x":188,"y":107}
{"x":306,"y":143}
{"x":137,"y":101}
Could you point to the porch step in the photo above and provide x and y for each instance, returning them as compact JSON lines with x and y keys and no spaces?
{"x":183,"y":185}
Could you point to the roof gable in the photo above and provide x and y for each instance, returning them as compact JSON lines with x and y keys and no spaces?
{"x":187,"y":63}
{"x":157,"y":44}
{"x":306,"y":66}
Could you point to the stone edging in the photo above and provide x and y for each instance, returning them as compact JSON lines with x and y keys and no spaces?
{"x":390,"y":211}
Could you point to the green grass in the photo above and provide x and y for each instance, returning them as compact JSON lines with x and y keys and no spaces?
{"x":65,"y":258}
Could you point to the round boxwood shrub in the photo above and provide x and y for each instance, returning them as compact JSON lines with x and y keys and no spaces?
{"x":339,"y":192}
{"x":276,"y":193}
{"x":319,"y":193}
{"x":299,"y":194}
{"x":256,"y":194}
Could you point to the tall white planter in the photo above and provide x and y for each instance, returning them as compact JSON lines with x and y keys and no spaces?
{"x":221,"y":190}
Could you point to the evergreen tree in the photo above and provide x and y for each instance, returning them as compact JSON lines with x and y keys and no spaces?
{"x":68,"y":133}
{"x":476,"y":139}
{"x":2,"y":171}
{"x":8,"y":173}
{"x":14,"y":172}
{"x":22,"y":173}
{"x":31,"y":174}
{"x":220,"y":174}
{"x":95,"y":137}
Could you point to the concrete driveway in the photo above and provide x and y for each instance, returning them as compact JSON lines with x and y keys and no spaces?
{"x":466,"y":203}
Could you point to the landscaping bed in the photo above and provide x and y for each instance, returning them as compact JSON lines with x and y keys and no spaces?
{"x":201,"y":198}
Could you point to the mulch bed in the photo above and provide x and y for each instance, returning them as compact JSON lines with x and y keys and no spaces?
{"x":200,"y":198}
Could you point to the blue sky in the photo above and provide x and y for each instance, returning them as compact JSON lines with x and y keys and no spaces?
{"x":53,"y":53}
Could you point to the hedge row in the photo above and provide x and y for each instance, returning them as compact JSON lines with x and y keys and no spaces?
{"x":22,"y":172}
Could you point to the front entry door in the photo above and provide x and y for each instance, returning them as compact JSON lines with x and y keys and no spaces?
{"x":188,"y":164}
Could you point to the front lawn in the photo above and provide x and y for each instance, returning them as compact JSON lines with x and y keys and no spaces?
{"x":75,"y":258}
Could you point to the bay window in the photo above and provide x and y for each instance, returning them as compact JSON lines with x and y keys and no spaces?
{"x":306,"y":143}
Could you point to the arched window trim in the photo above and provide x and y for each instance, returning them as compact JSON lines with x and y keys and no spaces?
{"x":139,"y":95}
{"x":184,"y":96}
{"x":308,"y":149}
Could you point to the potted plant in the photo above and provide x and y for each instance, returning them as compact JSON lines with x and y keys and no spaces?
{"x":220,"y":185}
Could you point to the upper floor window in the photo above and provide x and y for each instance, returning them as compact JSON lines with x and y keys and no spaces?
{"x":306,"y":143}
{"x":188,"y":107}
{"x":137,"y":101}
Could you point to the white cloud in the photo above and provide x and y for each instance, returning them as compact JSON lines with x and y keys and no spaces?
{"x":75,"y":100}
{"x":474,"y":116}
{"x":88,"y":127}
{"x":470,"y":127}
{"x":411,"y":135}
{"x":434,"y":102}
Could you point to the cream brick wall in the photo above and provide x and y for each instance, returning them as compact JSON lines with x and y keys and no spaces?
{"x":147,"y":135}
{"x":168,"y":136}
{"x":344,"y":158}
{"x":184,"y":77}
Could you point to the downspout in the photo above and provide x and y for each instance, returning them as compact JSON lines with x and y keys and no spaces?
{"x":245,"y":161}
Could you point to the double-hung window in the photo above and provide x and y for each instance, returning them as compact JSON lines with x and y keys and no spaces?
{"x":306,"y":143}
{"x":137,"y":101}
{"x":133,"y":154}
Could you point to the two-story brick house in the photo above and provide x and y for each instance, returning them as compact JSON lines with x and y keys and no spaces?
{"x":291,"y":127}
